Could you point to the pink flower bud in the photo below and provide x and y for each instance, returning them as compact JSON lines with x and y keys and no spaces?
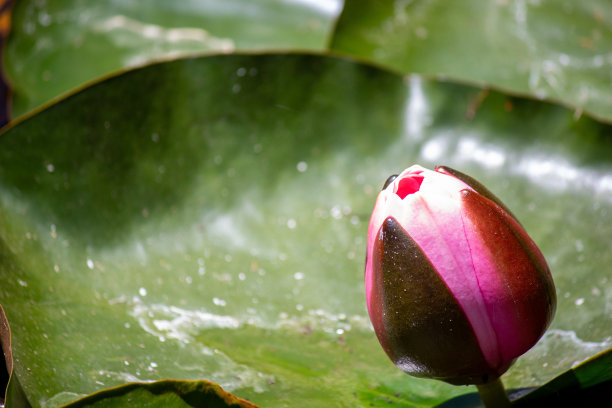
{"x":456,"y":289}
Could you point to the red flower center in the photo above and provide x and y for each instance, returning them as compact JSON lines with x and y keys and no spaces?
{"x":409,"y":185}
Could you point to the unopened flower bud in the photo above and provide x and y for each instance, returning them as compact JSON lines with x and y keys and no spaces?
{"x":456,"y":290}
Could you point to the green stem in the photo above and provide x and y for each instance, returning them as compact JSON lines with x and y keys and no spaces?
{"x":493,"y":394}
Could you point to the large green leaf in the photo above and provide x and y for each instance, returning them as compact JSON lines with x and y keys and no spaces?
{"x":57,"y":45}
{"x":549,"y":49}
{"x":205,"y":218}
{"x":588,"y":384}
{"x":163,"y":394}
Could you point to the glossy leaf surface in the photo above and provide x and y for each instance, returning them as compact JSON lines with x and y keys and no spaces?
{"x":587,"y":384}
{"x":557,"y":50}
{"x":206,"y":219}
{"x":58,"y":45}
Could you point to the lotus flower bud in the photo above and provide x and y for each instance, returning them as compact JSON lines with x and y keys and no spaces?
{"x":456,"y":290}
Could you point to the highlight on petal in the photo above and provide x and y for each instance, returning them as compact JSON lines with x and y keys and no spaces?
{"x":476,"y":186}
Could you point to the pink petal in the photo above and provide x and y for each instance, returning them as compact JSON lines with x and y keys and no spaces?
{"x":432,"y":218}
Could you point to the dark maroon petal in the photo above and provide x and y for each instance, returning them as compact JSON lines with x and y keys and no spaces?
{"x":477,"y":186}
{"x":417,"y":320}
{"x":389,"y":181}
{"x":517,"y":286}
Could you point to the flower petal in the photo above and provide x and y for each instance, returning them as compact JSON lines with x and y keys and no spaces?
{"x":432,"y":218}
{"x":476,"y":186}
{"x":512,"y":274}
{"x":416,"y":317}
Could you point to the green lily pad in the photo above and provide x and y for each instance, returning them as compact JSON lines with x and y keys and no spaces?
{"x":206,"y":218}
{"x":161,"y":394}
{"x":587,"y":384}
{"x":56,"y":46}
{"x":554,"y":50}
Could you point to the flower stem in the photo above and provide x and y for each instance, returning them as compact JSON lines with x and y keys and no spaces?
{"x":493,"y":394}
